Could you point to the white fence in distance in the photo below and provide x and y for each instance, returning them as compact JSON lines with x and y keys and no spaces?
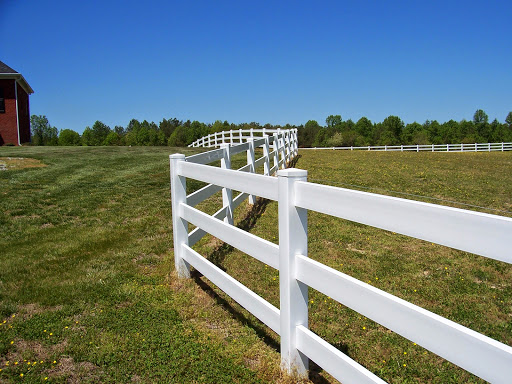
{"x":482,"y":234}
{"x":240,"y":136}
{"x":476,"y":147}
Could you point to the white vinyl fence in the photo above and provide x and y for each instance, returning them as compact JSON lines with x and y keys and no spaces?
{"x":476,"y":147}
{"x":482,"y":234}
{"x":240,"y":136}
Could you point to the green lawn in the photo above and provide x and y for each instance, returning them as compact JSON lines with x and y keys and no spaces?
{"x":87,"y":292}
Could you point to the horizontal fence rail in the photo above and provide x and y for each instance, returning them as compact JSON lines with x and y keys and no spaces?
{"x":476,"y":147}
{"x":481,"y":234}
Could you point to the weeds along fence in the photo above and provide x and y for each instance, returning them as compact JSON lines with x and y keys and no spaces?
{"x":240,"y":136}
{"x":476,"y":147}
{"x":478,"y":233}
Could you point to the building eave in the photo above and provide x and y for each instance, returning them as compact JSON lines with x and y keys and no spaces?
{"x":19,"y":79}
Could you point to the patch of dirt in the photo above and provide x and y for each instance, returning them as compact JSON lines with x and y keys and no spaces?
{"x":32,"y":348}
{"x":75,"y":372}
{"x":26,"y":311}
{"x":15,"y":163}
{"x":351,"y":248}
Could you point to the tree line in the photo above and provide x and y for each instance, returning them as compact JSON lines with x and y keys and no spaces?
{"x":335,"y":133}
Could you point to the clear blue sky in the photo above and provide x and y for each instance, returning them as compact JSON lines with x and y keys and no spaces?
{"x":274,"y":62}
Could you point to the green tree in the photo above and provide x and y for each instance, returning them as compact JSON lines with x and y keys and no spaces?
{"x":409,"y":132}
{"x":480,"y":117}
{"x":99,"y":132}
{"x":112,"y":138}
{"x":119,"y":130}
{"x":321,"y":138}
{"x":507,"y":135}
{"x":87,"y":137}
{"x":309,"y":133}
{"x":178,"y":137}
{"x":42,"y":132}
{"x":69,"y":137}
{"x":508,"y":119}
{"x":481,"y":121}
{"x":142,"y":136}
{"x":450,"y":132}
{"x":392,"y":127}
{"x":433,"y":129}
{"x":364,"y":128}
{"x":218,"y":126}
{"x":333,"y":121}
{"x":133,"y":125}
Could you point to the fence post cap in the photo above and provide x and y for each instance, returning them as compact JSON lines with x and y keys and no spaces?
{"x":177,"y":156}
{"x":292,"y":172}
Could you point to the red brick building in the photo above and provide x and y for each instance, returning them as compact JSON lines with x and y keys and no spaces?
{"x":14,"y":107}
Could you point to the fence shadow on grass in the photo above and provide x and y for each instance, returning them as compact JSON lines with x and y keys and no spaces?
{"x":217,"y":257}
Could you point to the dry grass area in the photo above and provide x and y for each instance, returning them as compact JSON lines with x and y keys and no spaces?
{"x":17,"y":163}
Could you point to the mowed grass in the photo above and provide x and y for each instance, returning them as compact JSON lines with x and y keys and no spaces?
{"x":87,"y":292}
{"x":471,"y":290}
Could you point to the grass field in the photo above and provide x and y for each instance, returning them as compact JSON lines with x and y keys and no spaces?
{"x":87,"y":292}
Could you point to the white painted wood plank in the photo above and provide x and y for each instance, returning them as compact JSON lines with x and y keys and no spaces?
{"x":475,"y":232}
{"x":260,"y":249}
{"x":202,"y":194}
{"x":258,"y":185}
{"x":339,"y":365}
{"x":206,"y":157}
{"x":259,"y":162}
{"x":476,"y":353}
{"x":259,"y":307}
{"x":197,"y":233}
{"x":238,"y":148}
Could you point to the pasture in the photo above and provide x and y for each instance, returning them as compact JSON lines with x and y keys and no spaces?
{"x":87,"y":291}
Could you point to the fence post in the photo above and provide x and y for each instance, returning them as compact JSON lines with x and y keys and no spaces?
{"x":501,"y":146}
{"x":282,"y":148}
{"x":231,"y":137}
{"x":296,"y":138}
{"x":266,"y":151}
{"x":240,"y":133}
{"x":227,"y":194}
{"x":276,"y":151}
{"x":251,"y":161}
{"x":288,"y":145}
{"x":293,"y":240}
{"x":179,"y":226}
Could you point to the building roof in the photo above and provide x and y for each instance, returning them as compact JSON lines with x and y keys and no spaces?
{"x":7,"y":72}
